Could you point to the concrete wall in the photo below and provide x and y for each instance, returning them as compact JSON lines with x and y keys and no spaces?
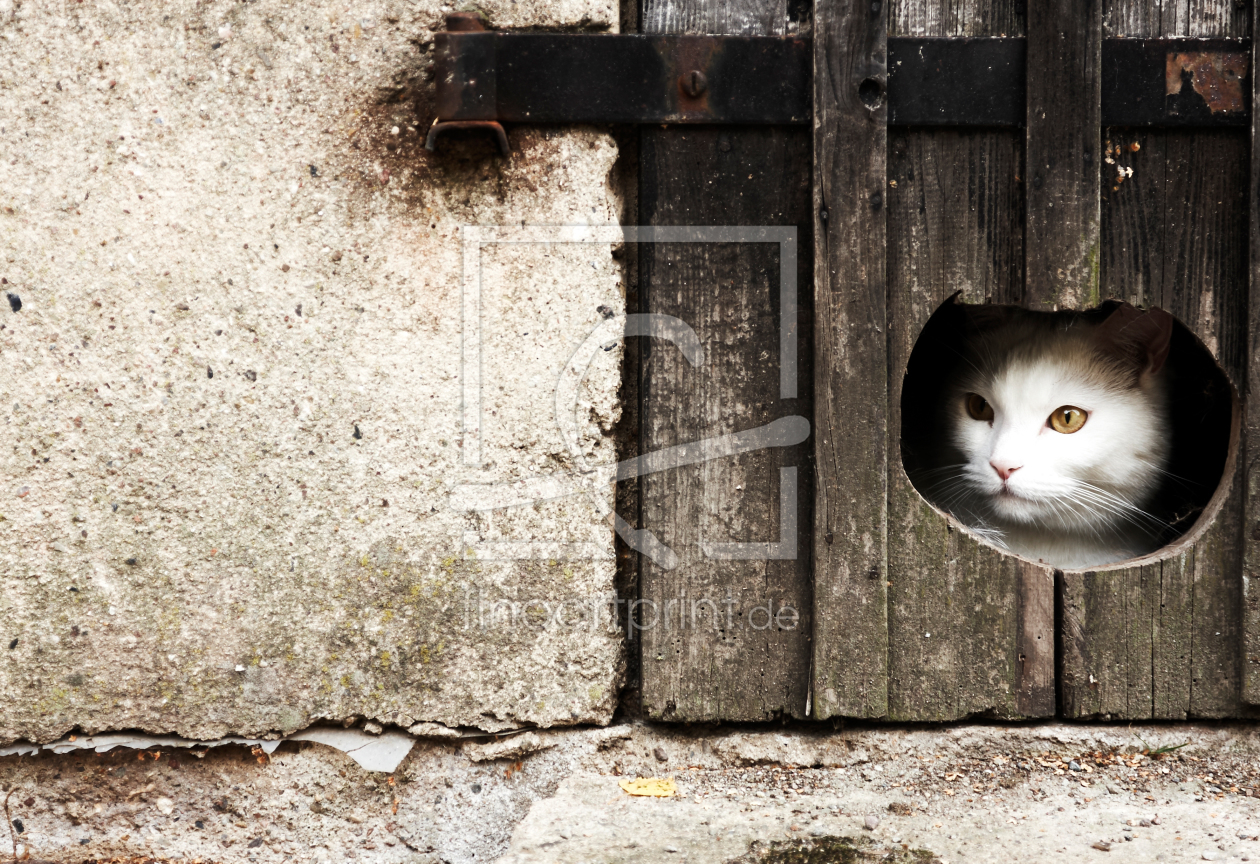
{"x":232,"y":394}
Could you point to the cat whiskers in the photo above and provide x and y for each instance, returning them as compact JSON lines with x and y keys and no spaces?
{"x":952,"y":489}
{"x":1109,"y":502}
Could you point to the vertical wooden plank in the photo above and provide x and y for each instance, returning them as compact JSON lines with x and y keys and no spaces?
{"x":1133,"y":213}
{"x":1173,"y":236}
{"x":1061,"y":175}
{"x":1250,"y":646}
{"x":1107,"y":671}
{"x":850,"y":675}
{"x":711,"y":652}
{"x":1204,"y":249}
{"x":1172,"y":639}
{"x":971,"y":630}
{"x":1035,"y":684}
{"x":1064,"y":105}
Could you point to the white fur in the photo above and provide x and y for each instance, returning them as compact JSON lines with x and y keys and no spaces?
{"x":1074,"y":500}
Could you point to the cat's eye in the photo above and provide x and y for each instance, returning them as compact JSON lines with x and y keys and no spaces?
{"x":1068,"y":419}
{"x":978,"y":408}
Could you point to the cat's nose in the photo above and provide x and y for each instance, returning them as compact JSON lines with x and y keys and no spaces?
{"x":1004,"y":469}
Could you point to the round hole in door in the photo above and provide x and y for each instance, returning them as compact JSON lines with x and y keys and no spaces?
{"x":871,"y":92}
{"x":1092,"y":510}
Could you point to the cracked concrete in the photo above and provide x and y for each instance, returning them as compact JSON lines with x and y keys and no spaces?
{"x":232,"y":389}
{"x":968,"y":793}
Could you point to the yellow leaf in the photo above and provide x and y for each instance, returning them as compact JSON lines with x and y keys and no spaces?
{"x":655,"y":787}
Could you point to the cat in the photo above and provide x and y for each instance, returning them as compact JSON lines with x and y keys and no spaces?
{"x":1054,"y":434}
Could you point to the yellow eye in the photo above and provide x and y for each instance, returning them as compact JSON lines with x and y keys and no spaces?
{"x":978,"y":408}
{"x":1068,"y":419}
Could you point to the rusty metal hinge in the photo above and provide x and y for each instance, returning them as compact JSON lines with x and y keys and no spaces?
{"x":486,"y":78}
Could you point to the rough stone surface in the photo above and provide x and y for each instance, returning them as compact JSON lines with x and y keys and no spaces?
{"x":963,"y":794}
{"x":967,"y":794}
{"x":231,"y":395}
{"x":515,"y":747}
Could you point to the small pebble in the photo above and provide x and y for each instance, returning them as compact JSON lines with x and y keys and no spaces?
{"x":659,"y":753}
{"x":871,"y":823}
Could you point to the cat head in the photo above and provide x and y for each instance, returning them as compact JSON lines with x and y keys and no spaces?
{"x":1060,"y":419}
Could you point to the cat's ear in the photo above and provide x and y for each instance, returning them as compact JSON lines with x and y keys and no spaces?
{"x":1141,"y":337}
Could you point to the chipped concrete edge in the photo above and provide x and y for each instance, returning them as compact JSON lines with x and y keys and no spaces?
{"x":381,"y":752}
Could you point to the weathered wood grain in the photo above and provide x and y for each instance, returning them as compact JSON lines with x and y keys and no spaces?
{"x":1205,"y":240}
{"x":1172,"y":18}
{"x":1160,"y":640}
{"x":971,"y":630}
{"x":1249,"y":649}
{"x":850,"y":673}
{"x":1216,"y":622}
{"x":965,"y":18}
{"x":1131,"y":258}
{"x":1064,"y":113}
{"x":726,"y":664}
{"x":1036,"y":686}
{"x":1174,"y":234}
{"x":1205,"y":255}
{"x":710,"y":655}
{"x":1107,"y":670}
{"x":1172,"y":639}
{"x":727,"y":18}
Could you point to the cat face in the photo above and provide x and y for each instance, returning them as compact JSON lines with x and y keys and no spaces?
{"x":1057,"y":439}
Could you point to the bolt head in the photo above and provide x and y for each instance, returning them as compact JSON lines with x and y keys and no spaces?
{"x":693,"y":83}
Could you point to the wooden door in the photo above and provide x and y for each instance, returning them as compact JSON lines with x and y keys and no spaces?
{"x":1162,"y":641}
{"x":1029,"y":217}
{"x":910,"y":617}
{"x":726,"y":638}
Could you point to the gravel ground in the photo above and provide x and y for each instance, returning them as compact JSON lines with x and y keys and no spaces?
{"x":974,"y":794}
{"x":966,"y":793}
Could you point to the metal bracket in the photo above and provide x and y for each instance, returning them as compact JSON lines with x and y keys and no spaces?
{"x":1145,"y":82}
{"x":487,"y":78}
{"x":524,"y":77}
